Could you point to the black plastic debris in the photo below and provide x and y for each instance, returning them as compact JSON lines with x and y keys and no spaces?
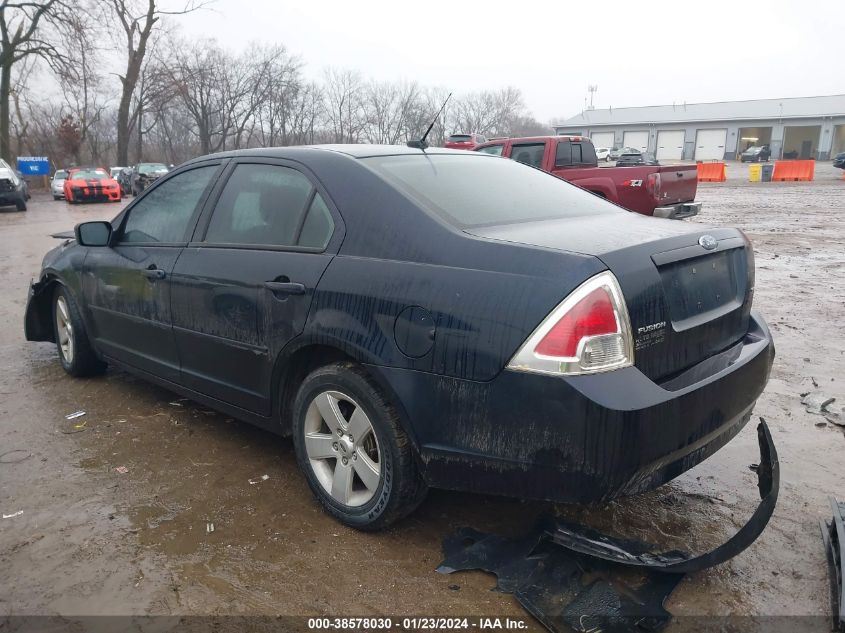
{"x":572,"y":577}
{"x":833,"y":535}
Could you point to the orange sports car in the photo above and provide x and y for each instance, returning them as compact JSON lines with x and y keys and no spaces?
{"x":90,"y":184}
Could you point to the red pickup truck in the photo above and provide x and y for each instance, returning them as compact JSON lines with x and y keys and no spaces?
{"x":665,"y":191}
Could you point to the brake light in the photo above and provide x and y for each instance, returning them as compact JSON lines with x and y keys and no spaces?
{"x":652,"y":185}
{"x":588,"y":332}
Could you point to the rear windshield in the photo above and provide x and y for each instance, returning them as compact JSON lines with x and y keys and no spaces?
{"x":475,"y":190}
{"x":460,"y":138}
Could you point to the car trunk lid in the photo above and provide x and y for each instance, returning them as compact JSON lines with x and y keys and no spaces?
{"x":686,"y":302}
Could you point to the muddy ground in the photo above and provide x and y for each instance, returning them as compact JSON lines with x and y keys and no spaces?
{"x":91,"y":540}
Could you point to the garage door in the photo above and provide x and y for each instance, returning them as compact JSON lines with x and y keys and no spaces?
{"x":710,"y":144}
{"x":670,"y":145}
{"x":602,"y":139}
{"x":637,"y":140}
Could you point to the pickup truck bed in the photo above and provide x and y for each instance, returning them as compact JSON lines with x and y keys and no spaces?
{"x":666,"y":191}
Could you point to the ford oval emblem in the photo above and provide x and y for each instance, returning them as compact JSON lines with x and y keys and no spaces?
{"x":708,"y":241}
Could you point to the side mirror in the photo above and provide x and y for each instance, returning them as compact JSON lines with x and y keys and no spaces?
{"x":93,"y":233}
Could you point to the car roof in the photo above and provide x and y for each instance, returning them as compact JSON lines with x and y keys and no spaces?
{"x":353,"y":150}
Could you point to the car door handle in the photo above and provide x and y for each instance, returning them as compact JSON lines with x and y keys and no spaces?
{"x":154,"y":273}
{"x":285,"y":287}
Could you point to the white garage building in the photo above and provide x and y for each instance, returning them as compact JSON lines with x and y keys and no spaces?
{"x":801,"y":127}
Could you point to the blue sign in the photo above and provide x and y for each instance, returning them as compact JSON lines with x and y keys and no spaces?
{"x":34,"y":165}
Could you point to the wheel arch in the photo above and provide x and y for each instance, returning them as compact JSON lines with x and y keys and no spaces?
{"x":38,"y":321}
{"x":303,"y":356}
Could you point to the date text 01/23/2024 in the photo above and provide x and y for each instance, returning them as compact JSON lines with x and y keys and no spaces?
{"x":417,"y":624}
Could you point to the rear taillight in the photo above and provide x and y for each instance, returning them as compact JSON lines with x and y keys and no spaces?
{"x":588,"y":332}
{"x":652,"y":185}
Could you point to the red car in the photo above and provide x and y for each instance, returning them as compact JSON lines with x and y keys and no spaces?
{"x":465,"y":141}
{"x":90,"y":184}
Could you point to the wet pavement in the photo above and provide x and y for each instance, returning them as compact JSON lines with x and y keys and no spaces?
{"x":183,"y":531}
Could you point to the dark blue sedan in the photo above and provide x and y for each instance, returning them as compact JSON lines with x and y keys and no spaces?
{"x":420,"y":319}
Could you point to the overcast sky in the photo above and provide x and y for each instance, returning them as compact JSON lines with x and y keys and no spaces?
{"x":637,"y":53}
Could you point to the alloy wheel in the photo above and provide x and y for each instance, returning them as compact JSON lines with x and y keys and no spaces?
{"x":342,"y":448}
{"x":64,"y":328}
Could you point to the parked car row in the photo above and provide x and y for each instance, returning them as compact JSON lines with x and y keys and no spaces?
{"x":79,"y":184}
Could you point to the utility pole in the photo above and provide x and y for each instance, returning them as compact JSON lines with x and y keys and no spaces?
{"x":592,"y":89}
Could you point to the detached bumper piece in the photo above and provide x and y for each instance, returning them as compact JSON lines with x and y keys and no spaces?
{"x":572,"y":577}
{"x":833,"y":534}
{"x":678,"y":211}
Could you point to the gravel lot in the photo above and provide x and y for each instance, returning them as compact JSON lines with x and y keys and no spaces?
{"x":91,"y":540}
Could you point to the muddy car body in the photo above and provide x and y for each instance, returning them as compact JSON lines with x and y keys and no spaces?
{"x":483,"y":325}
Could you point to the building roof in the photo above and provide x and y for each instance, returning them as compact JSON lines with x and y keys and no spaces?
{"x":792,"y":107}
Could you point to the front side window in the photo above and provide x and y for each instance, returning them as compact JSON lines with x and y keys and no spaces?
{"x":529,"y":154}
{"x":495,"y":150}
{"x":164,"y":213}
{"x":260,"y":204}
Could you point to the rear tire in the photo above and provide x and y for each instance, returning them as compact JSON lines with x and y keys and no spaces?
{"x":75,"y":352}
{"x":366,"y":482}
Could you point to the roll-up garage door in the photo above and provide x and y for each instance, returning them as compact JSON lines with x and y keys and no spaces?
{"x":710,"y":144}
{"x":637,"y":140}
{"x":602,"y":139}
{"x":670,"y":145}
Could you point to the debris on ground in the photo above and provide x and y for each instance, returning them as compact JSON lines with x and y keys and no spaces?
{"x":14,"y":514}
{"x":833,"y":535}
{"x":121,"y":469}
{"x":74,"y":415}
{"x":571,"y":576}
{"x":258,"y":480}
{"x":14,"y":456}
{"x":209,"y":527}
{"x":816,"y":402}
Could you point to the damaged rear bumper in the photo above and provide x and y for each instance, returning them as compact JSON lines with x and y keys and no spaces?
{"x":584,"y":438}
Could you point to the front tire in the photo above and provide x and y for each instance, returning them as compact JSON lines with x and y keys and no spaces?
{"x":357,"y":459}
{"x":21,"y":205}
{"x":75,"y":351}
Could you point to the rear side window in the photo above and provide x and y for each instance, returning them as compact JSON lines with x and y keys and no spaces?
{"x":318,"y":226}
{"x":475,"y":190}
{"x":495,"y":150}
{"x":260,"y":204}
{"x":164,"y":213}
{"x":569,"y":153}
{"x":529,"y":154}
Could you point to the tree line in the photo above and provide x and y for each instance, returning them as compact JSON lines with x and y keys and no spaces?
{"x":115,"y":82}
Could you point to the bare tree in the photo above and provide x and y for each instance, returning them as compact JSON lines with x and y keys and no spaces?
{"x":487,"y":112}
{"x":77,"y":73}
{"x":138,"y":20}
{"x":344,"y":104}
{"x":21,"y":25}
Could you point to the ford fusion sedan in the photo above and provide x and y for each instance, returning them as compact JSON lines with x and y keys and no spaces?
{"x":419,"y":319}
{"x":90,"y":184}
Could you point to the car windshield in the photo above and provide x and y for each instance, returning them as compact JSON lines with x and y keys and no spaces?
{"x":753,"y":150}
{"x":460,"y":138}
{"x":60,"y":175}
{"x":89,"y":174}
{"x":477,"y":190}
{"x":152,"y":168}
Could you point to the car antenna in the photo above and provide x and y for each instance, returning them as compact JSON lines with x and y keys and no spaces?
{"x":422,"y":143}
